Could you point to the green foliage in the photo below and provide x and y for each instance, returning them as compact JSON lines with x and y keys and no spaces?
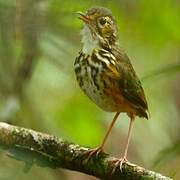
{"x":79,"y":119}
{"x":39,"y":41}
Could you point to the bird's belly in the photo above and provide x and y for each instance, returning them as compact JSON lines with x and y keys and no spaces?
{"x":93,"y":88}
{"x":98,"y":97}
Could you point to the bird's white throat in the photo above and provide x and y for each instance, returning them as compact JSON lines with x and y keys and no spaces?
{"x":89,"y":43}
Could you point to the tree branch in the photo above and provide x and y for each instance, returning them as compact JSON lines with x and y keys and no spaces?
{"x":47,"y":150}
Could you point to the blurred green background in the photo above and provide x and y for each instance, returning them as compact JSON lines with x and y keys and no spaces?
{"x":39,"y":40}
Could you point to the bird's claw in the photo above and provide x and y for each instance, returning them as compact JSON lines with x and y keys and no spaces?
{"x":119,"y":163}
{"x":92,"y":152}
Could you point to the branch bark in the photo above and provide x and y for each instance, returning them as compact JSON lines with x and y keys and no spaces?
{"x":47,"y":150}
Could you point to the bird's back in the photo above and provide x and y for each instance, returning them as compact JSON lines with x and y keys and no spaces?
{"x":130,"y":84}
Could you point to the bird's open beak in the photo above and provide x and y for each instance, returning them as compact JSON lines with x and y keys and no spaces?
{"x":84,"y":17}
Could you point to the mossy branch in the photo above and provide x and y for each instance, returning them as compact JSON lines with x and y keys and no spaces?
{"x":47,"y":150}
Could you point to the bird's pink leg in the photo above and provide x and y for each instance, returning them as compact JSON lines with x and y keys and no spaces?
{"x":99,"y":149}
{"x":122,"y":160}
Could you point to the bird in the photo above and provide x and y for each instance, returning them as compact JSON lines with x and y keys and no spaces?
{"x":105,"y":74}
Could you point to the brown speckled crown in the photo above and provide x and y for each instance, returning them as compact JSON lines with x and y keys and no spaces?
{"x":97,"y":12}
{"x":100,"y":11}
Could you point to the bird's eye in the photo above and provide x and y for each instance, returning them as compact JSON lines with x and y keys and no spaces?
{"x":102,"y":21}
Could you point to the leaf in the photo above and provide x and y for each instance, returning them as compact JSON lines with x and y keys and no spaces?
{"x":165,"y":71}
{"x":168,"y":154}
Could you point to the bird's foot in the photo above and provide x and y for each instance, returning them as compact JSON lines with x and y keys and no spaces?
{"x":119,"y":163}
{"x":92,"y":152}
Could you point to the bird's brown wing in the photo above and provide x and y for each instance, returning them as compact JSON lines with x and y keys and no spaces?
{"x":130,"y":84}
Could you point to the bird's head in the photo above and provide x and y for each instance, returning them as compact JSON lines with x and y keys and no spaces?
{"x":100,"y":25}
